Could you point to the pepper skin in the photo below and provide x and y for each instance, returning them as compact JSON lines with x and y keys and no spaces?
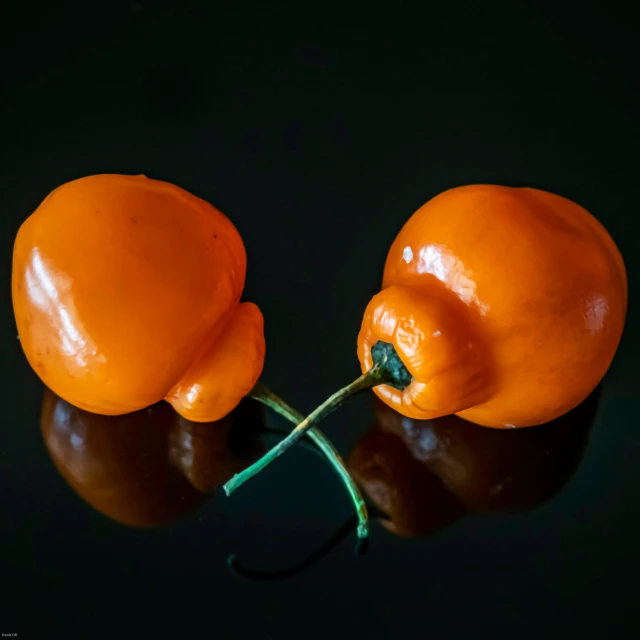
{"x":506,"y":305}
{"x":126,"y":291}
{"x":149,"y":467}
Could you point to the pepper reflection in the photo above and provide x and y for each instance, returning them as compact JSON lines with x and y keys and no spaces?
{"x":150,"y":467}
{"x":424,"y":474}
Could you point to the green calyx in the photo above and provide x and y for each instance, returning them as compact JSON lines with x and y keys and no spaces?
{"x":392,"y":369}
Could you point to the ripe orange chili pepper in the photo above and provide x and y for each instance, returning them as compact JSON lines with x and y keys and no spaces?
{"x":504,"y":306}
{"x":127,"y":290}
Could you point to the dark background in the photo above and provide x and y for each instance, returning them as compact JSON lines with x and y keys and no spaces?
{"x":319,"y":141}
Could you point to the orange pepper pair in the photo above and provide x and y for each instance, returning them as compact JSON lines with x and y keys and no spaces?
{"x":504,"y":306}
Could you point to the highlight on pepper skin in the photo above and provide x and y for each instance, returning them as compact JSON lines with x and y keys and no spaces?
{"x":426,"y":474}
{"x":126,"y":291}
{"x":150,"y":467}
{"x":506,"y":306}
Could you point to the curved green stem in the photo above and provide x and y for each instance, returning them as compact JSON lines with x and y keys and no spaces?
{"x":263,"y":394}
{"x":388,"y":368}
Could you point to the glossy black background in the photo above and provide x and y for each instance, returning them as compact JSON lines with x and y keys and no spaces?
{"x":318,"y":141}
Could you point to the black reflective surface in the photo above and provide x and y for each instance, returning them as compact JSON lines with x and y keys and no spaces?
{"x":318,"y":143}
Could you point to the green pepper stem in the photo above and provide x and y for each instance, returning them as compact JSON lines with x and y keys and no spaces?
{"x":372,"y":378}
{"x":263,"y":394}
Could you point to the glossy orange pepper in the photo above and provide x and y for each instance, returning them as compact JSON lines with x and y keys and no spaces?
{"x":506,"y":306}
{"x":126,"y":291}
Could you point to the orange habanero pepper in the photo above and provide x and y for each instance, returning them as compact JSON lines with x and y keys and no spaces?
{"x":126,"y":291}
{"x":502,"y":305}
{"x":505,"y":305}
